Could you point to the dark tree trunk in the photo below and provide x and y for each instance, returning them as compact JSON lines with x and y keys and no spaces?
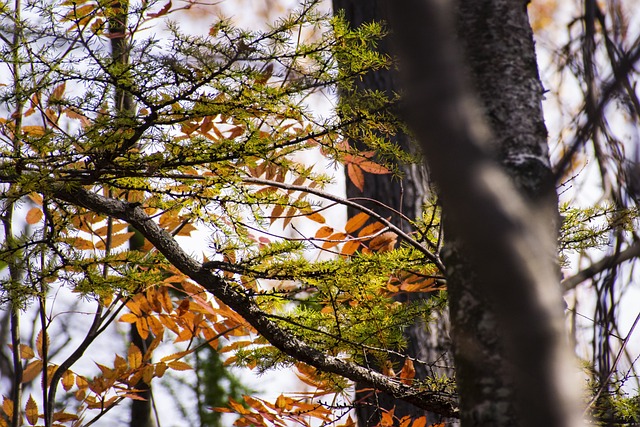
{"x":406,"y":195}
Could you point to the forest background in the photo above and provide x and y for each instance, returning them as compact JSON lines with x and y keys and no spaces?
{"x":142,"y":133}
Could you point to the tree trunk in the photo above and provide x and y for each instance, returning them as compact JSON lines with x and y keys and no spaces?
{"x":406,"y":195}
{"x":505,"y":302}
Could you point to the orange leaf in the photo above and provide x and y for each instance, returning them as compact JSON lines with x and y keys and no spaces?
{"x":371,"y":229}
{"x":408,"y":372}
{"x":422,"y":422}
{"x":315,"y":216}
{"x":372,"y":167}
{"x":134,"y":356}
{"x":179,"y":366}
{"x":356,"y":176}
{"x":128,"y":318}
{"x":323,"y":232}
{"x":34,"y":216}
{"x":334,"y":240}
{"x":386,"y":420}
{"x":356,"y":222}
{"x":143,"y":327}
{"x":31,"y":411}
{"x":80,"y":243}
{"x":350,"y":247}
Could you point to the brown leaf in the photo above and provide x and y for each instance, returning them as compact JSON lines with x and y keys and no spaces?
{"x":355,"y":222}
{"x":57,"y":93}
{"x":116,"y":240}
{"x":64,"y":417}
{"x":384,"y":242}
{"x":165,"y":9}
{"x":31,"y":411}
{"x":7,"y":406}
{"x":26,"y":352}
{"x":32,"y":371}
{"x":39,"y":343}
{"x":68,"y":380}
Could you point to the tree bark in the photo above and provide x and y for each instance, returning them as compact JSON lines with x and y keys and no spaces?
{"x":489,"y":160}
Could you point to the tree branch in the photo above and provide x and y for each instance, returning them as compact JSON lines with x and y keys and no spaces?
{"x":244,"y":305}
{"x":632,"y":251}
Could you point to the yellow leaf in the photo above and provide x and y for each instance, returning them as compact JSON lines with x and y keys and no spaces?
{"x":32,"y":371}
{"x":284,"y":403}
{"x":161,"y":368}
{"x":355,"y":222}
{"x":31,"y":411}
{"x":134,"y":357}
{"x":68,"y":380}
{"x":128,"y":318}
{"x":81,"y":382}
{"x":179,"y":366}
